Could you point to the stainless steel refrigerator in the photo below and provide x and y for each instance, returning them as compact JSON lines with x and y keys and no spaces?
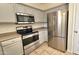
{"x":57,"y":29}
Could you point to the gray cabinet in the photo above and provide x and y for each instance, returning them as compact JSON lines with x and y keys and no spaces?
{"x":7,"y":13}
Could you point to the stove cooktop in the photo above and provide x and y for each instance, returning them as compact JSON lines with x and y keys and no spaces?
{"x":29,"y":33}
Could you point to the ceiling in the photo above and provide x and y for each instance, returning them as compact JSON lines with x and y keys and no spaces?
{"x":43,"y":6}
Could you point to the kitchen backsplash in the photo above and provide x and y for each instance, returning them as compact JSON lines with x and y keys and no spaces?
{"x":7,"y":28}
{"x":4,"y":28}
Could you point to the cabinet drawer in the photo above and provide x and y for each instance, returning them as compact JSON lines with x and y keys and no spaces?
{"x":10,"y":41}
{"x":13,"y":49}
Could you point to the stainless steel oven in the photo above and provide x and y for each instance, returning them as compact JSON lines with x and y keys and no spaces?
{"x":27,"y":39}
{"x":30,"y":39}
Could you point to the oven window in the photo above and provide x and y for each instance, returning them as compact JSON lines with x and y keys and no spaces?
{"x":36,"y":37}
{"x":27,"y":41}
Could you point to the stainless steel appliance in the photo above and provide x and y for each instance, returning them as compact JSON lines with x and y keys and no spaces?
{"x":29,"y":38}
{"x":57,"y":29}
{"x":24,"y":18}
{"x":30,"y":41}
{"x":23,"y":30}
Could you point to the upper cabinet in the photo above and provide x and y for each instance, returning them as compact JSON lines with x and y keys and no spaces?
{"x":19,"y":8}
{"x":7,"y":13}
{"x":38,"y":15}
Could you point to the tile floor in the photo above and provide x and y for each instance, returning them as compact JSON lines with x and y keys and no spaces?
{"x":45,"y":50}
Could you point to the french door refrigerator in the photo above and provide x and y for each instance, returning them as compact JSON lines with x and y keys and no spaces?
{"x":57,"y":29}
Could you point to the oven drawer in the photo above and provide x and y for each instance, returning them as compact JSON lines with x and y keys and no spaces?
{"x":31,"y":47}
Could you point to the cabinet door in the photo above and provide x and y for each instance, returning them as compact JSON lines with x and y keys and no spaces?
{"x":39,"y":16}
{"x":7,"y":13}
{"x":43,"y":36}
{"x":19,"y":8}
{"x":0,"y":50}
{"x":13,"y":49}
{"x":45,"y":17}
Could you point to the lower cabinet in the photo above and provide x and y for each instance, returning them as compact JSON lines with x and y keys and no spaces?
{"x":13,"y":47}
{"x":43,"y":35}
{"x":1,"y":51}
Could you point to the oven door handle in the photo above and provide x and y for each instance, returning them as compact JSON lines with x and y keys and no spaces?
{"x":30,"y":35}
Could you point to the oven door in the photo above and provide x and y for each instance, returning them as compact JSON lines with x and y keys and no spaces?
{"x":27,"y":41}
{"x":31,"y":39}
{"x":35,"y":37}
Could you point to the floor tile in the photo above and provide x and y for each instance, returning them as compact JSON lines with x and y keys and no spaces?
{"x":44,"y":49}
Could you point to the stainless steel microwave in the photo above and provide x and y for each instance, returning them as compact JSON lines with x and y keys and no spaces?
{"x":25,"y":18}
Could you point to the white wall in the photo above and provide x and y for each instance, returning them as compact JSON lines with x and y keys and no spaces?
{"x":72,"y":14}
{"x":7,"y":28}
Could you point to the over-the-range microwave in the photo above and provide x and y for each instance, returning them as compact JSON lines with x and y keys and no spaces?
{"x":24,"y":18}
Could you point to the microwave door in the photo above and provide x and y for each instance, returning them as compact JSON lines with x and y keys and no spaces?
{"x":31,"y":19}
{"x":20,"y":18}
{"x":26,"y":18}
